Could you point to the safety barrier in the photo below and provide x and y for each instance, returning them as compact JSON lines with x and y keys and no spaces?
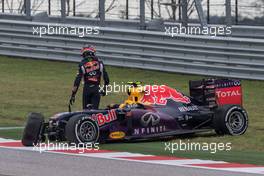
{"x":204,"y":55}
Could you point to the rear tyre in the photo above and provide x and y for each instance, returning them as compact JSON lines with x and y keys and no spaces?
{"x":34,"y":125}
{"x":81,"y":129}
{"x":230,"y":119}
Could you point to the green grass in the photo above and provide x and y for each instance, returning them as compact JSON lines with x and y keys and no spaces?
{"x":45,"y":86}
{"x":11,"y":134}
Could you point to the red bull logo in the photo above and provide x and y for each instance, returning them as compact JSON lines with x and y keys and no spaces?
{"x":161,"y":94}
{"x":104,"y":118}
{"x":91,"y":66}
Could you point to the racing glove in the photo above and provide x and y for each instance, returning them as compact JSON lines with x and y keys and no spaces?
{"x":72,"y":99}
{"x":102,"y":93}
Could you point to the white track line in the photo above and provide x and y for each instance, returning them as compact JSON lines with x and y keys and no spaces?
{"x":186,"y":161}
{"x":254,"y":170}
{"x":6,"y":140}
{"x":11,"y":128}
{"x":127,"y":156}
{"x":114,"y":155}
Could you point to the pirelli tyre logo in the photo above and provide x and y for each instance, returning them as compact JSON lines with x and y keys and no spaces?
{"x":150,"y":119}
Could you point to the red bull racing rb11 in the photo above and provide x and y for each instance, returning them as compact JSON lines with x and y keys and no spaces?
{"x":153,"y":112}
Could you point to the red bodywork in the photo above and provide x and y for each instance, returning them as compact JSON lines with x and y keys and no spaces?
{"x":217,"y":92}
{"x":229,"y":95}
{"x":160,"y":95}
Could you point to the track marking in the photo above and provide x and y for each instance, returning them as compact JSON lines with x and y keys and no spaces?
{"x":115,"y":155}
{"x":5,"y":140}
{"x":11,"y":128}
{"x":81,"y":151}
{"x":226,"y":165}
{"x":142,"y":158}
{"x":187,"y":162}
{"x":147,"y":158}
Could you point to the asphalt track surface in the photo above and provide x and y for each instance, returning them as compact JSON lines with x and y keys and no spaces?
{"x":19,"y":163}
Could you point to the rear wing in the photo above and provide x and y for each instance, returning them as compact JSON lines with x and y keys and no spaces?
{"x":217,"y":92}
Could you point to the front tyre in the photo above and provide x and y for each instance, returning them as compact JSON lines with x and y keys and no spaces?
{"x":231,"y":119}
{"x":81,"y":129}
{"x":33,"y":129}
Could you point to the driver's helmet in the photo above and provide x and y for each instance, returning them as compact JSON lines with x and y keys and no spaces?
{"x":88,"y":51}
{"x":135,"y":92}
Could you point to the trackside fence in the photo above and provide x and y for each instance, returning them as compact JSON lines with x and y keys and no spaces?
{"x":204,"y":55}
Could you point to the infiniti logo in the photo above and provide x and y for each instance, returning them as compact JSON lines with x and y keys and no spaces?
{"x":93,"y":73}
{"x":150,"y":119}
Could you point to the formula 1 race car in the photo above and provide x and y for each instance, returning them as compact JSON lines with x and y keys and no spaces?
{"x":151,"y":112}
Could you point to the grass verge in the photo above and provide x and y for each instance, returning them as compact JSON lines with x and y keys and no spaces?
{"x":45,"y":86}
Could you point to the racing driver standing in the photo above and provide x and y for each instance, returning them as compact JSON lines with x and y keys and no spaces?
{"x":91,"y":69}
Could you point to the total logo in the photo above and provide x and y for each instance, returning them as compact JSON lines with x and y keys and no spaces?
{"x":228,"y":93}
{"x":104,"y":118}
